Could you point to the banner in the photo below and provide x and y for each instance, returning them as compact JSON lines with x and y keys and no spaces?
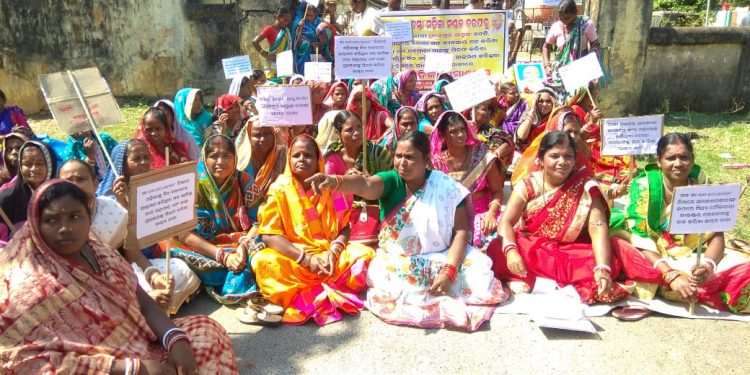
{"x":476,"y":39}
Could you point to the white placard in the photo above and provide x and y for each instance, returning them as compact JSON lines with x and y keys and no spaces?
{"x":400,"y":31}
{"x":580,"y":72}
{"x":318,"y":71}
{"x":470,"y":90}
{"x":438,"y":62}
{"x":363,"y":57}
{"x":704,"y":208}
{"x":238,"y":65}
{"x":314,"y":3}
{"x":165,"y":204}
{"x":285,"y":64}
{"x":631,"y":135}
{"x":284,"y":105}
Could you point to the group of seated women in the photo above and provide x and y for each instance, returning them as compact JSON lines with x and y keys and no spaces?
{"x":402,"y":212}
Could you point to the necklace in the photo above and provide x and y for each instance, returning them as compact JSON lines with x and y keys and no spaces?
{"x":452,"y":163}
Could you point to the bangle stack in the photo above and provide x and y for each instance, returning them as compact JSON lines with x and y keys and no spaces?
{"x":450,"y":270}
{"x":221,"y":255}
{"x":509,"y":246}
{"x":709,"y":262}
{"x":660,"y":260}
{"x":495,"y":203}
{"x":670,"y":276}
{"x":171,"y":337}
{"x":132,"y":366}
{"x":602,"y":267}
{"x":339,"y":182}
{"x":337,"y":247}
{"x":301,"y":260}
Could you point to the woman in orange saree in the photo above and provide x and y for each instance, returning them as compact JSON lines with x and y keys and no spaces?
{"x":309,"y":267}
{"x":70,"y":304}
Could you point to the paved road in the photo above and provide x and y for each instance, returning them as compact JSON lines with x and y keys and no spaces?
{"x":509,"y":344}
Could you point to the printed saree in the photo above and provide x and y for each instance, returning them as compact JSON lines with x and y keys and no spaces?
{"x":377,"y":115}
{"x":180,"y":133}
{"x":195,"y":125}
{"x":304,"y":49}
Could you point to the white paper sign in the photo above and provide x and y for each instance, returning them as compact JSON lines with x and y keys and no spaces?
{"x":238,"y":65}
{"x":580,"y":72}
{"x":285,"y":64}
{"x":470,"y":90}
{"x":284,"y":105}
{"x":704,"y":208}
{"x":437,"y":62}
{"x":165,"y":204}
{"x":314,"y":3}
{"x":631,"y":135}
{"x":363,"y":57}
{"x":400,"y":31}
{"x":318,"y":71}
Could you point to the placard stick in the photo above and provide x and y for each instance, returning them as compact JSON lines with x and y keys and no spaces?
{"x":365,"y":84}
{"x":169,"y":239}
{"x":92,"y":122}
{"x":317,"y":54}
{"x":591,"y":98}
{"x":691,"y":308}
{"x":7,"y":221}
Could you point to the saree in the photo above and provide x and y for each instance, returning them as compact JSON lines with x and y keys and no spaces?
{"x":421,"y":107}
{"x":552,"y":240}
{"x":377,"y":115}
{"x":158,"y":156}
{"x":537,"y":119}
{"x":180,"y":133}
{"x":328,"y":46}
{"x":225,"y":103}
{"x":59,"y":317}
{"x":385,"y":90}
{"x":310,"y":222}
{"x":513,"y":114}
{"x":573,"y":49}
{"x":11,"y":117}
{"x":8,"y":171}
{"x":305,"y":38}
{"x":644,"y":225}
{"x":74,"y":150}
{"x":223,"y":220}
{"x":392,"y":136}
{"x":195,"y":125}
{"x":412,"y":249}
{"x":319,"y":109}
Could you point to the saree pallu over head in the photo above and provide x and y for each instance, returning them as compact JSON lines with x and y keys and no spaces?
{"x":179,"y":133}
{"x":538,"y":120}
{"x":328,"y":100}
{"x":269,"y":171}
{"x":304,"y":50}
{"x":74,"y":150}
{"x":158,"y":156}
{"x":7,"y":171}
{"x":15,"y":199}
{"x":374,"y":125}
{"x":328,"y":47}
{"x":393,"y":135}
{"x":195,"y":125}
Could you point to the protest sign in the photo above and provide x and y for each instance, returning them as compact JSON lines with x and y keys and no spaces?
{"x":401,"y":32}
{"x":285,"y":64}
{"x":704,"y":208}
{"x":363,"y":57}
{"x":631,"y":135}
{"x":67,"y":108}
{"x":318,"y":71}
{"x":476,"y":39}
{"x":314,"y":3}
{"x":580,"y":72}
{"x":238,"y":65}
{"x":470,"y":90}
{"x":529,"y":77}
{"x":284,"y":105}
{"x":438,"y":62}
{"x":161,"y":204}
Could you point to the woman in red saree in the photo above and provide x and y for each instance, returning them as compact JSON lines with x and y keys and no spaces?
{"x":555,"y":226}
{"x":534,"y":121}
{"x":378,"y":118}
{"x":70,"y":304}
{"x":155,"y":130}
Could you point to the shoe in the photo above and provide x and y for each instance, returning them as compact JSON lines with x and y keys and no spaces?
{"x":630,"y":314}
{"x":251,"y":316}
{"x":261,"y":304}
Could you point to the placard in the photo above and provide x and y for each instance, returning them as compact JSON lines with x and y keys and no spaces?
{"x":631,"y":135}
{"x":580,"y":72}
{"x":400,"y":31}
{"x":284,"y":105}
{"x":235,"y":66}
{"x":285,"y":64}
{"x":314,"y":3}
{"x":66,"y":107}
{"x":363,"y":57}
{"x":704,"y":208}
{"x":438,"y":62}
{"x":162,"y":204}
{"x":318,"y":71}
{"x":529,"y":77}
{"x":470,"y":90}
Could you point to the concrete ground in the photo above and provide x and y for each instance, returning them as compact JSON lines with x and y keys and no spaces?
{"x":508,"y":344}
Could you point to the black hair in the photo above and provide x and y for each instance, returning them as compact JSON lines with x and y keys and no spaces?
{"x":213,"y":142}
{"x":673,"y":139}
{"x":164,"y":107}
{"x":2,"y":96}
{"x":282,"y":11}
{"x":555,"y":138}
{"x":129,"y":145}
{"x":435,"y":3}
{"x":86,"y":166}
{"x":449,"y":119}
{"x":400,"y":114}
{"x":64,"y":189}
{"x":245,"y":81}
{"x":341,"y":118}
{"x":257,"y":73}
{"x":567,"y":7}
{"x":506,"y":86}
{"x":308,"y":140}
{"x":446,"y":76}
{"x":158,"y":113}
{"x":418,"y":140}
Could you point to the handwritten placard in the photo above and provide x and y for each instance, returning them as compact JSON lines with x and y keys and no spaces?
{"x":631,"y":135}
{"x":704,"y":208}
{"x":162,"y":204}
{"x":363,"y":57}
{"x":318,"y":71}
{"x":438,"y":62}
{"x":285,"y":64}
{"x":400,"y":31}
{"x":238,"y":65}
{"x":470,"y":90}
{"x":284,"y":105}
{"x":580,"y":72}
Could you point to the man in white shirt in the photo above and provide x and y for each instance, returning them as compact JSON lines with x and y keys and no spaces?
{"x":475,"y":5}
{"x":361,"y":21}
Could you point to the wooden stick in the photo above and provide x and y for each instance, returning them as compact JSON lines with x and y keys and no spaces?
{"x":169,"y":239}
{"x":691,"y":308}
{"x":591,"y":98}
{"x":317,"y":54}
{"x":365,"y":84}
{"x":7,"y":221}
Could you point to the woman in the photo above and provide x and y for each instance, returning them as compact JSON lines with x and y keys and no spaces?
{"x":534,"y":120}
{"x":378,"y":119}
{"x":500,"y":142}
{"x":191,"y":115}
{"x":179,"y":133}
{"x":398,"y":91}
{"x":10,"y":117}
{"x":84,"y":146}
{"x":36,"y":164}
{"x":12,"y":143}
{"x":663,"y":263}
{"x":555,"y":226}
{"x":212,"y":251}
{"x":406,"y":122}
{"x":514,"y":106}
{"x":318,"y":92}
{"x":155,"y":130}
{"x":102,"y":322}
{"x":335,"y":101}
{"x":230,"y":116}
{"x":308,"y":266}
{"x":327,"y":34}
{"x":424,"y":274}
{"x":306,"y":42}
{"x":278,"y":37}
{"x":430,"y":106}
{"x":296,"y":80}
{"x":458,"y":153}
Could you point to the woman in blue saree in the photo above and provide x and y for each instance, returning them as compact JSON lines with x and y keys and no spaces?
{"x":306,"y":36}
{"x":188,"y":103}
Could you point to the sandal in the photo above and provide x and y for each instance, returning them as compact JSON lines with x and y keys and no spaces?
{"x":260,"y":304}
{"x":251,"y":316}
{"x":630,"y":314}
